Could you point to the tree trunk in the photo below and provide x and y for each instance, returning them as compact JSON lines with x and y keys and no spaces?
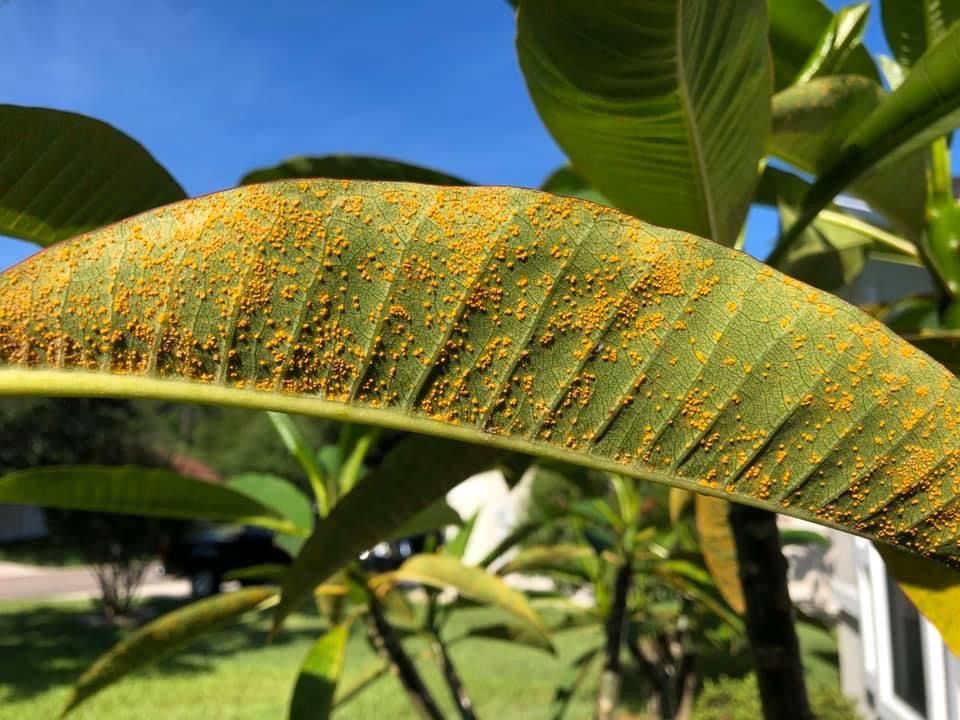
{"x":773,"y":638}
{"x":388,"y":644}
{"x":608,"y":694}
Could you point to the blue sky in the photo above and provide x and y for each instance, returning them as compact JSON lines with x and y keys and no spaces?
{"x":213,"y":94}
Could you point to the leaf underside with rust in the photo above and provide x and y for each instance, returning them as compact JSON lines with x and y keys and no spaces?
{"x":508,"y":318}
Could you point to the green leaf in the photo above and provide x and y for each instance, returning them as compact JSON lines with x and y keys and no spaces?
{"x":573,"y":678}
{"x":557,"y":328}
{"x":719,"y":550}
{"x":833,"y":250}
{"x":926,"y":106}
{"x":135,"y":491}
{"x":379,"y":506}
{"x":843,"y":35}
{"x":911,"y":315}
{"x":360,"y":682}
{"x":296,"y":443}
{"x":943,"y":345}
{"x":62,"y":174}
{"x":458,"y":545}
{"x":442,"y":571}
{"x":796,"y":29}
{"x":350,"y":167}
{"x":317,"y":682}
{"x":932,"y":588}
{"x":893,"y":72}
{"x":506,"y":632}
{"x":710,"y":601}
{"x":165,"y":636}
{"x":790,"y":536}
{"x":913,"y":26}
{"x":435,"y":517}
{"x":566,"y":181}
{"x":278,"y":494}
{"x":577,"y":560}
{"x":266,"y":571}
{"x":632,"y":104}
{"x":516,"y":536}
{"x":355,"y":444}
{"x":812,"y":121}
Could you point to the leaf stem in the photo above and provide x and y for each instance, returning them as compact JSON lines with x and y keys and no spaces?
{"x":389,"y":645}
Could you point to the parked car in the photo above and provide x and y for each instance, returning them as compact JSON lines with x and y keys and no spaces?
{"x":207,"y":554}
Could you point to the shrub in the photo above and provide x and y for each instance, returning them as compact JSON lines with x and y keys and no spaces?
{"x":737,"y":699}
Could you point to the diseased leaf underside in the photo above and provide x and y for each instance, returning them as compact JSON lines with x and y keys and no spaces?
{"x":541,"y":323}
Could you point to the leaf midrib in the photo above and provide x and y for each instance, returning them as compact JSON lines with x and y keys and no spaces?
{"x":88,"y":383}
{"x":693,"y":131}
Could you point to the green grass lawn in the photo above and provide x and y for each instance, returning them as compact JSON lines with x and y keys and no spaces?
{"x":235,"y":674}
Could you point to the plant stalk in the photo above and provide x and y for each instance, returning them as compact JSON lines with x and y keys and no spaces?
{"x":773,"y":637}
{"x":389,"y":645}
{"x":608,"y":694}
{"x":458,"y":691}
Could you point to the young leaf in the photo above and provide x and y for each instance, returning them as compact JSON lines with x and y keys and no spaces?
{"x":913,"y":26}
{"x":441,"y":571}
{"x":631,"y":104}
{"x":458,"y":545}
{"x":350,"y":167}
{"x":833,"y":250}
{"x":297,"y":445}
{"x":926,"y":106}
{"x":719,"y":551}
{"x":796,"y":29}
{"x":842,"y":36}
{"x":278,"y":494}
{"x":62,"y":174}
{"x":353,"y":453}
{"x":136,"y":491}
{"x":164,"y":636}
{"x":812,"y":121}
{"x":555,"y":328}
{"x":313,"y":695}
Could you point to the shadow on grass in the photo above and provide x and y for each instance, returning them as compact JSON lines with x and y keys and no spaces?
{"x":48,"y":645}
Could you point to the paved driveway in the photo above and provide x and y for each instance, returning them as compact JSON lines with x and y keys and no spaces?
{"x":31,"y":582}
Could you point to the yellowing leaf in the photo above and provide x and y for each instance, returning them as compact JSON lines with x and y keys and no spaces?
{"x":443,"y":571}
{"x":931,"y":587}
{"x":719,"y":550}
